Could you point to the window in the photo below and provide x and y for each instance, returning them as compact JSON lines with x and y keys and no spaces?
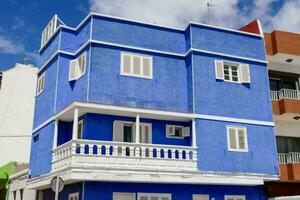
{"x":80,"y":129}
{"x":36,"y":138}
{"x":237,"y":138}
{"x":154,"y":196}
{"x":235,"y":197}
{"x":136,"y":65}
{"x":200,"y":197}
{"x":74,"y":196}
{"x":123,"y":196}
{"x":41,"y":84}
{"x":175,"y":131}
{"x":1,"y":75}
{"x":124,"y":131}
{"x":49,"y":31}
{"x":77,"y":67}
{"x":232,"y":71}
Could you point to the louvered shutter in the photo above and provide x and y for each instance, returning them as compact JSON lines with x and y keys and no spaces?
{"x":200,"y":197}
{"x":242,"y":139}
{"x":245,"y":73}
{"x":118,"y":131}
{"x":73,"y":70}
{"x":170,"y":130}
{"x":219,"y":69}
{"x":123,"y":196}
{"x":232,"y":138}
{"x":186,"y":132}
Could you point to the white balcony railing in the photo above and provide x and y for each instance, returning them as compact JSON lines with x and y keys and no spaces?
{"x":286,"y":158}
{"x":285,"y":94}
{"x":109,"y":154}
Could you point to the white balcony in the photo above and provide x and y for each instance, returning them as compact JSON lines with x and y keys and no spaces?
{"x":121,"y":155}
{"x":285,"y":94}
{"x":287,"y":158}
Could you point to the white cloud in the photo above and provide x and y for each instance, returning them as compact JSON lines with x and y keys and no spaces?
{"x":7,"y":46}
{"x":225,"y":13}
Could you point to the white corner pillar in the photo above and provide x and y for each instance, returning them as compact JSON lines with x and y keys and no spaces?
{"x":137,"y":128}
{"x":55,"y":136}
{"x":194,"y":139}
{"x":75,"y":124}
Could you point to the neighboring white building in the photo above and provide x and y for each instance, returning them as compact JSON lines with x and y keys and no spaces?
{"x":18,"y":187}
{"x":17,"y":96}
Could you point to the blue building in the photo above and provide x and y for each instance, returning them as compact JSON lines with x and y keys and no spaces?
{"x":127,"y":110}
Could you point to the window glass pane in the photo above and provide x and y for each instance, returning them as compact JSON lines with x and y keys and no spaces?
{"x":143,"y":198}
{"x":274,"y":84}
{"x":235,"y":79}
{"x":226,"y":67}
{"x":226,"y":77}
{"x":289,"y":85}
{"x":146,"y":66}
{"x":126,"y":64}
{"x":178,"y":131}
{"x":136,"y":65}
{"x":154,"y":198}
{"x":170,"y":130}
{"x":242,"y":139}
{"x":232,"y":138}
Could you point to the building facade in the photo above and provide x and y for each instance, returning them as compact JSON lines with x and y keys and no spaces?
{"x":283,"y":53}
{"x":17,"y":94}
{"x":130,"y":110}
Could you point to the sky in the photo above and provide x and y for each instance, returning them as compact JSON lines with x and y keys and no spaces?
{"x":22,"y":21}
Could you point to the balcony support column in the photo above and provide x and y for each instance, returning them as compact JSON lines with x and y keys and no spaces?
{"x":137,"y":129}
{"x":55,"y":136}
{"x":75,"y":124}
{"x":194,"y":141}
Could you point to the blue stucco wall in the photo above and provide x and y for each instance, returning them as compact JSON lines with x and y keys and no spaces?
{"x":44,"y":103}
{"x":166,"y":91}
{"x":138,"y":35}
{"x":72,"y":40}
{"x":70,"y":91}
{"x":215,"y":97}
{"x":41,"y":151}
{"x":104,"y":191}
{"x":222,"y":41}
{"x":49,"y":49}
{"x":213,"y":149}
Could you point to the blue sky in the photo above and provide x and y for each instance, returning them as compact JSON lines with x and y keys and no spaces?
{"x":22,"y":21}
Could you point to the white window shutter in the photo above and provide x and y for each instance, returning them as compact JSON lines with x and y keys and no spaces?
{"x":245,"y":73}
{"x":170,"y":130}
{"x":219,"y":69}
{"x":118,"y":131}
{"x":123,"y":196}
{"x":73,"y":70}
{"x":186,"y":132}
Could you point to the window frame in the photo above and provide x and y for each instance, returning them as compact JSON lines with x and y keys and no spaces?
{"x":128,"y":193}
{"x":80,"y":122}
{"x":235,"y":197}
{"x":230,"y":65}
{"x":72,"y":195}
{"x":141,"y":56}
{"x":40,"y":83}
{"x":174,"y":126}
{"x":159,"y":195}
{"x":238,"y":149}
{"x":78,"y":69}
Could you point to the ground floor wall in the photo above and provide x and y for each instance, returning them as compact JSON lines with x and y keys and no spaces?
{"x":106,"y":190}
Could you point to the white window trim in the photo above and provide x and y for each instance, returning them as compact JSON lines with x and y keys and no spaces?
{"x":174,"y":126}
{"x":237,"y":141}
{"x":133,"y":123}
{"x":76,"y":194}
{"x":40,"y":78}
{"x":80,"y":123}
{"x":78,"y":73}
{"x":169,"y":195}
{"x":127,"y":193}
{"x":131,"y":66}
{"x":236,"y":64}
{"x":235,"y":197}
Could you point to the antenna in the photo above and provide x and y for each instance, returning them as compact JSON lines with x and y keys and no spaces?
{"x":209,"y":4}
{"x":25,"y":58}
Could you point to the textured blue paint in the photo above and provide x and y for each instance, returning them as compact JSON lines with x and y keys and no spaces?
{"x":222,"y":98}
{"x":166,"y":91}
{"x":41,"y":155}
{"x":48,"y":51}
{"x":232,"y":43}
{"x":213,"y":150}
{"x":104,"y":191}
{"x":44,"y":103}
{"x":73,"y":40}
{"x":138,"y":35}
{"x":68,"y":92}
